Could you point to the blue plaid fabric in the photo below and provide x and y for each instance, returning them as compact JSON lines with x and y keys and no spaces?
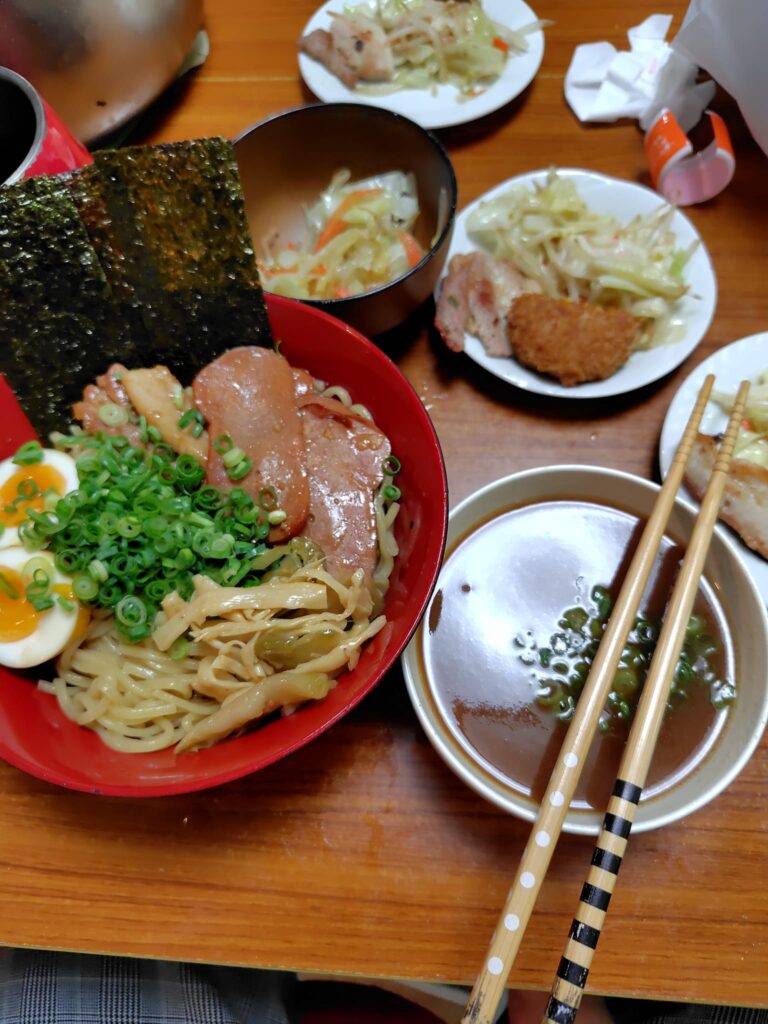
{"x":40,"y":987}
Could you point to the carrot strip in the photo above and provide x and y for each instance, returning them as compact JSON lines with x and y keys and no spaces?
{"x":336,"y":223}
{"x":413,"y":251}
{"x":500,"y":44}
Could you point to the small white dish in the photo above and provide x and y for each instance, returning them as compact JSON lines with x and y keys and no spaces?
{"x":444,"y":641}
{"x":441,"y":107}
{"x":738,"y":361}
{"x":623,"y":200}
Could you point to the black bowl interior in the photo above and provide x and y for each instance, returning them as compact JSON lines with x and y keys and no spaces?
{"x":286,"y":161}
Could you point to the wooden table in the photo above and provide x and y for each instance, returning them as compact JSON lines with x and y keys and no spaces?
{"x":363,"y":854}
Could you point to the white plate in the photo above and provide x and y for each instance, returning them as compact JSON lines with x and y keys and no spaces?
{"x":441,"y":108}
{"x":732,"y":364}
{"x":624,"y":200}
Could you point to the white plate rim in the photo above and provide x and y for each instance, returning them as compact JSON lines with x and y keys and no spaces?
{"x":742,"y":358}
{"x":642,"y":368}
{"x":441,"y":110}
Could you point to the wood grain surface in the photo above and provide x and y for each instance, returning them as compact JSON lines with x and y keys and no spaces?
{"x":363,"y":854}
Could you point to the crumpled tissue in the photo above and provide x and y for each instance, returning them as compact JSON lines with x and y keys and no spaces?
{"x":604,"y":84}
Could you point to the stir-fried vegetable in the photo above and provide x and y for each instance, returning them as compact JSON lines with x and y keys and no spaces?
{"x":552,"y":236}
{"x":359,"y":238}
{"x":444,"y":41}
{"x":752,"y":439}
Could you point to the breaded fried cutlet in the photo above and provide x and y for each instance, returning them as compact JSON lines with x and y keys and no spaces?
{"x":572,"y":341}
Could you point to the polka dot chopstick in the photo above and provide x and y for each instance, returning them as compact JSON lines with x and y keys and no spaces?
{"x":505,"y":943}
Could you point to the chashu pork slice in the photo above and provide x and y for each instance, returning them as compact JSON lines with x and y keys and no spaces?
{"x":249,"y":394}
{"x":745,"y":502}
{"x":476,"y":297}
{"x":355,"y":49}
{"x":345,"y":453}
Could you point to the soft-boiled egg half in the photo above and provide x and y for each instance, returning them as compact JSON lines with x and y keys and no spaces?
{"x":23,"y":488}
{"x":27,"y":636}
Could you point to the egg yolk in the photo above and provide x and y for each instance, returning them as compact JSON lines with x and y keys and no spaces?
{"x":34,"y":481}
{"x":18,"y":618}
{"x":83,"y":615}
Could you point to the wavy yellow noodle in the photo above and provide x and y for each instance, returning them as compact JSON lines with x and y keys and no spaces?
{"x":253,"y":650}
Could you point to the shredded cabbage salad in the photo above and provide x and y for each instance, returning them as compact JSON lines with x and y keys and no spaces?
{"x":752,"y":439}
{"x":436,"y":42}
{"x":551,"y":235}
{"x":359,"y":237}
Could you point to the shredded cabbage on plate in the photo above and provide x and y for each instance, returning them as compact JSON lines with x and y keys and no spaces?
{"x":552,"y":236}
{"x":752,"y":438}
{"x":437,"y":42}
{"x":359,"y":237}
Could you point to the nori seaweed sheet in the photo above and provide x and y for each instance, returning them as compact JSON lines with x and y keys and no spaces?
{"x":178,"y":216}
{"x":58,"y":327}
{"x":84,"y":186}
{"x":144,"y":257}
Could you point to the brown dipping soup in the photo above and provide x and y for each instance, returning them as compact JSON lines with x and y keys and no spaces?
{"x":518,"y":573}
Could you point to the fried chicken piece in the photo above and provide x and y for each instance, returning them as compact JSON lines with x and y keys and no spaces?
{"x":476,"y":297}
{"x":572,"y":341}
{"x":745,"y":502}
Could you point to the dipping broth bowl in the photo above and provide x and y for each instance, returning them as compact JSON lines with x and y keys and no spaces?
{"x":287,"y":161}
{"x":522,"y":551}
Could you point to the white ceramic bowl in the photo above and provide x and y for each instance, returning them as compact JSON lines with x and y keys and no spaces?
{"x":736,"y":592}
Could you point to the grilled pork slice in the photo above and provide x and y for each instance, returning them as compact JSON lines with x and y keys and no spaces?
{"x":745,"y":503}
{"x":572,"y":341}
{"x":475,"y":298}
{"x":355,"y":49}
{"x":344,"y":457}
{"x":249,"y":394}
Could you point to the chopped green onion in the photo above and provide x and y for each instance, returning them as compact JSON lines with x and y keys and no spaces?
{"x":391,"y":466}
{"x":97,"y":570}
{"x":27,"y":489}
{"x":243,"y":468}
{"x":232,"y":457}
{"x":131,"y":611}
{"x":192,"y":418}
{"x":179,"y":649}
{"x":223,"y":443}
{"x":29,"y":454}
{"x":391,"y":493}
{"x":268,"y":498}
{"x":64,"y":604}
{"x":276,"y":517}
{"x":113,"y":415}
{"x":142,"y":524}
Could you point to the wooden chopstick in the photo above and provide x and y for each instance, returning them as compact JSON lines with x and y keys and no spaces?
{"x":633,"y":770}
{"x":505,"y":943}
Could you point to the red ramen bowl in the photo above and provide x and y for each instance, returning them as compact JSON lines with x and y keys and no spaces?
{"x":36,"y":737}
